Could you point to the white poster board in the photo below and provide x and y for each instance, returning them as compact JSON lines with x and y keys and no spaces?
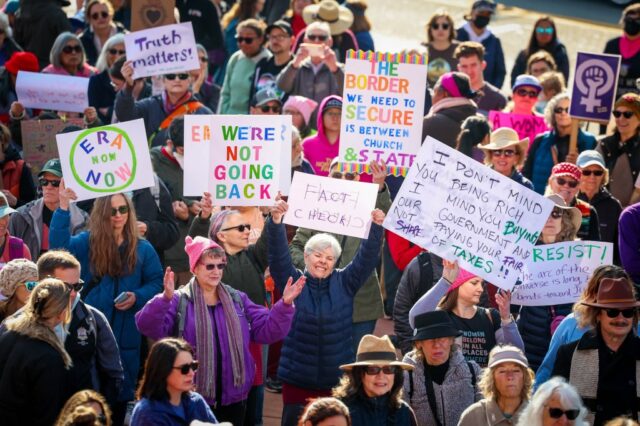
{"x":52,"y":92}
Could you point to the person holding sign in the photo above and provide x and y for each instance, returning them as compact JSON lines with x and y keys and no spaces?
{"x":505,"y":153}
{"x":324,"y":310}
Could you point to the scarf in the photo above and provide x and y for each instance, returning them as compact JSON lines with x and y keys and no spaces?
{"x":168,"y":106}
{"x":629,"y":48}
{"x":449,"y":103}
{"x":206,"y":345}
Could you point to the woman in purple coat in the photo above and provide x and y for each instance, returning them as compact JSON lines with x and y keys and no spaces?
{"x":219,"y":322}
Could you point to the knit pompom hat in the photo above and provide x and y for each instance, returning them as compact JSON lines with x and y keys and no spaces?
{"x":16,"y":272}
{"x":195,"y":247}
{"x":463,"y":277}
{"x":304,"y":105}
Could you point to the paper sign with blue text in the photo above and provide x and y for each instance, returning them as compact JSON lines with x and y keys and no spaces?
{"x":52,"y":92}
{"x":462,"y":210}
{"x":106,"y":160}
{"x":169,"y":49}
{"x":331,"y":205}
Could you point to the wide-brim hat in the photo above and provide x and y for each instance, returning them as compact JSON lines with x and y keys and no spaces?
{"x":574,"y":212}
{"x":374,"y":350}
{"x":434,"y":325}
{"x":614,"y":293}
{"x":338,"y":17}
{"x":505,"y":137}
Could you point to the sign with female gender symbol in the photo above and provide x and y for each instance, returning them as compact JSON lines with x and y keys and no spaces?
{"x":594,"y":86}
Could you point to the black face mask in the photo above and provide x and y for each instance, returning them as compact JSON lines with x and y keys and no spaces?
{"x":632,"y":26}
{"x":481,"y":21}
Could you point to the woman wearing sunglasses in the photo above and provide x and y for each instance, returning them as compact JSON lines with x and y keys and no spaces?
{"x":556,"y":403}
{"x":18,"y":278}
{"x":99,"y":15}
{"x":505,"y":153}
{"x":165,"y":394}
{"x":67,"y":57}
{"x":441,"y":45}
{"x":219,"y":322}
{"x":121,"y":271}
{"x":543,"y":37}
{"x":371,"y":387}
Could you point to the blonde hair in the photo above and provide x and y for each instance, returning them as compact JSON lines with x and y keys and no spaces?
{"x":78,"y":401}
{"x":487,"y":383}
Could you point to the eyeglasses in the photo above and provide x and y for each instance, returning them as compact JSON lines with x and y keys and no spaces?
{"x":570,"y":182}
{"x":373,"y":370}
{"x":72,"y":49}
{"x":625,"y":114}
{"x":317,"y":37}
{"x":247,"y":40}
{"x":592,"y":172}
{"x":613,"y":312}
{"x":340,"y":175}
{"x":97,"y":15}
{"x":203,"y":59}
{"x":530,"y":93}
{"x":556,"y":213}
{"x":240,"y":228}
{"x":46,"y":182}
{"x":183,"y":76}
{"x":556,"y":413}
{"x":503,"y":152}
{"x":272,"y":108}
{"x":122,"y":210}
{"x":77,"y":287}
{"x":560,"y":110}
{"x":544,"y":30}
{"x":211,"y":266}
{"x":117,"y":52}
{"x":184,"y":369}
{"x":436,"y":26}
{"x":30,"y":285}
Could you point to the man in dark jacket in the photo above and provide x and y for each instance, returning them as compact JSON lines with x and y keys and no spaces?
{"x":603,"y":365}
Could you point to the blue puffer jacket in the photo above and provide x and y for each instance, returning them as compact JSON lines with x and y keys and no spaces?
{"x":145,"y":281}
{"x":320,"y":337}
{"x":148,"y":412}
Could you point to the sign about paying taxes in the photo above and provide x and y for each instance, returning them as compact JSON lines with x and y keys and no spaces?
{"x":383,"y":105}
{"x":594,"y":86}
{"x":106,"y":160}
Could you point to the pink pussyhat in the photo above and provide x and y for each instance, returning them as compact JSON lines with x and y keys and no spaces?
{"x":306,"y":106}
{"x":195,"y":247}
{"x":463,"y":277}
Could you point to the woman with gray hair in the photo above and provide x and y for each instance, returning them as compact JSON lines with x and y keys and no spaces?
{"x":554,"y":402}
{"x":67,"y":57}
{"x":552,"y":147}
{"x":101,"y":92}
{"x":8,"y":46}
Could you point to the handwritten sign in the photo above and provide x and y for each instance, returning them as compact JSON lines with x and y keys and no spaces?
{"x":594,"y":86}
{"x":242,"y":156}
{"x":462,"y":210}
{"x":106,"y":160}
{"x":52,"y":92}
{"x":41,"y":137}
{"x":382,"y":110}
{"x":527,"y":126}
{"x":151,"y":13}
{"x":558,"y":273}
{"x":162,"y":50}
{"x":331,"y":205}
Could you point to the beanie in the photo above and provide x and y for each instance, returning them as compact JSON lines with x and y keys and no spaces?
{"x":304,"y":105}
{"x":567,"y":169}
{"x":16,"y":272}
{"x":463,"y":277}
{"x":195,"y":247}
{"x":22,"y":61}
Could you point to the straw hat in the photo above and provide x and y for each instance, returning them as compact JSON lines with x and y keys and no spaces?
{"x":574,"y":212}
{"x":614,"y":293}
{"x":374,"y":350}
{"x":505,"y":137}
{"x":338,"y":17}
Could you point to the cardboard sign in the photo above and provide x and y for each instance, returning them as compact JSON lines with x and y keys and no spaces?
{"x":52,"y":92}
{"x":40,"y":140}
{"x":594,"y":86}
{"x":527,"y":126}
{"x":106,"y":160}
{"x":383,"y":109}
{"x":558,"y":273}
{"x":162,"y":50}
{"x":151,"y":13}
{"x":331,"y":205}
{"x":237,"y":158}
{"x":462,"y":210}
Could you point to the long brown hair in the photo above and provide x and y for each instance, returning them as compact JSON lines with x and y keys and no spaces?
{"x":242,"y":10}
{"x":158,"y":367}
{"x":351,"y":386}
{"x":104,"y":254}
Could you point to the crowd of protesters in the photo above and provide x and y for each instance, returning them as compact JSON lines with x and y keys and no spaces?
{"x":155,"y":308}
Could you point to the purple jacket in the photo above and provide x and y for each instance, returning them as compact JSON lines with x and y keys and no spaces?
{"x":156,"y":320}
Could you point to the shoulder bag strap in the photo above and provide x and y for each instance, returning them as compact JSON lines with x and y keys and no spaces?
{"x":431,"y":396}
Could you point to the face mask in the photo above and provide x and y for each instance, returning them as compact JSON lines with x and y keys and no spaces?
{"x":481,"y":21}
{"x":61,"y":332}
{"x":632,"y":27}
{"x":179,"y":158}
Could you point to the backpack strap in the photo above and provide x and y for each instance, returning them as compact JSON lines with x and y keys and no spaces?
{"x":16,"y":250}
{"x":431,"y":397}
{"x":178,"y":325}
{"x":186,"y":108}
{"x":426,"y":272}
{"x":155,"y":190}
{"x":410,"y":385}
{"x":473,"y":374}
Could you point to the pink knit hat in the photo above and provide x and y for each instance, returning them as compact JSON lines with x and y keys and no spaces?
{"x":306,"y":106}
{"x":463,"y":277}
{"x":195,"y":247}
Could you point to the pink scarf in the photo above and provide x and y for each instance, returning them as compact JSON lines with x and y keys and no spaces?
{"x":629,"y":48}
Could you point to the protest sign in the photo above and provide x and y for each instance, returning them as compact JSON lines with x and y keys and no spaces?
{"x":462,"y":210}
{"x":527,"y":126}
{"x":41,"y":140}
{"x":383,"y":106}
{"x":106,"y":160}
{"x":241,"y":154}
{"x":51,"y":91}
{"x":331,"y":205}
{"x":557,"y":273}
{"x":151,"y":13}
{"x":594,"y":86}
{"x":162,"y":50}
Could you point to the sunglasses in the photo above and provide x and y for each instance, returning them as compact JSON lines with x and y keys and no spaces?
{"x":560,"y":110}
{"x":97,"y":15}
{"x":183,"y":76}
{"x":592,"y":172}
{"x":543,"y":30}
{"x":346,"y":175}
{"x":570,"y":182}
{"x":240,"y":228}
{"x":272,"y":108}
{"x":72,"y":49}
{"x":184,"y":369}
{"x":373,"y":370}
{"x":556,"y":413}
{"x":436,"y":26}
{"x":556,"y":213}
{"x":317,"y":37}
{"x":117,"y":52}
{"x":211,"y":266}
{"x":625,"y":114}
{"x":503,"y":152}
{"x":47,"y":182}
{"x":613,"y":312}
{"x":529,"y":93}
{"x":30,"y":285}
{"x":247,"y":40}
{"x":77,"y":287}
{"x":121,"y":210}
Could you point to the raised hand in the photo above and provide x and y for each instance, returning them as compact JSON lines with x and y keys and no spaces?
{"x":450,"y":270}
{"x":169,"y":284}
{"x":279,"y":210}
{"x":66,"y":195}
{"x":379,"y":172}
{"x":503,"y":300}
{"x":292,"y":290}
{"x":377,"y":216}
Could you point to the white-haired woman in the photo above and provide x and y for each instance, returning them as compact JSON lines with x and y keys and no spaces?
{"x":555,"y":403}
{"x":320,"y":339}
{"x":102,"y":92}
{"x":67,"y":57}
